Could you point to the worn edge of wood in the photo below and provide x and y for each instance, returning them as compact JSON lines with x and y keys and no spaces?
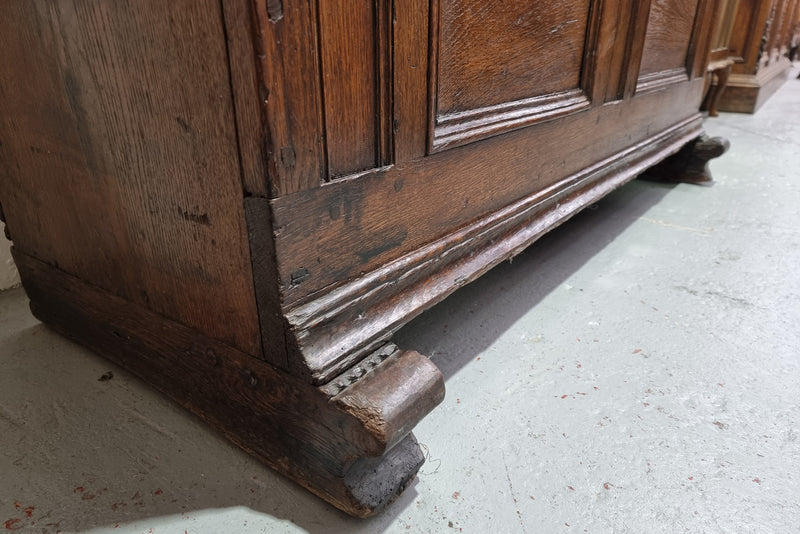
{"x":240,"y":43}
{"x":657,"y":81}
{"x":466,"y":127}
{"x":336,"y":330}
{"x":354,"y":449}
{"x":274,"y":342}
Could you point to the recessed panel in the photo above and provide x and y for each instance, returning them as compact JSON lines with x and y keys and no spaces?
{"x":347,"y":50}
{"x":669,"y":32}
{"x":491,"y":53}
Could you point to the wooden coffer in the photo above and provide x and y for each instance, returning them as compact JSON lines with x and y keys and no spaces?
{"x":241,"y":200}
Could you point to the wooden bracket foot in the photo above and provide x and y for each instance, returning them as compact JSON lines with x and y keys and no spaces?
{"x":690,"y":163}
{"x":349,"y":442}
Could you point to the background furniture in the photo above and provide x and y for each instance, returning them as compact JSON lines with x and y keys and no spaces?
{"x":758,"y":37}
{"x":241,"y":201}
{"x":722,"y":57}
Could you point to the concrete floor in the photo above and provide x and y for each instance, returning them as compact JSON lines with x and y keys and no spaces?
{"x":634,"y":371}
{"x":8,"y":271}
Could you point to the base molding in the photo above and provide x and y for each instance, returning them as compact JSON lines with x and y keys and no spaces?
{"x":338,"y":329}
{"x":353,"y":448}
{"x":746,"y":93}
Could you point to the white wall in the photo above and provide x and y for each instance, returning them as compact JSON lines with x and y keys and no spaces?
{"x":8,"y":271}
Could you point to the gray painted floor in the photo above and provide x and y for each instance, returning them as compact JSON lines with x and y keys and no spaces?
{"x":634,"y":371}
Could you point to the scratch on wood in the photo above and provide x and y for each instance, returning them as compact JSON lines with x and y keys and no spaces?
{"x":366,"y":255}
{"x":199,"y":218}
{"x":562,"y":25}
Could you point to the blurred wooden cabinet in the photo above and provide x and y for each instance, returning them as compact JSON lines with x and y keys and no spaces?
{"x":757,"y":36}
{"x":241,"y":201}
{"x":722,"y":58}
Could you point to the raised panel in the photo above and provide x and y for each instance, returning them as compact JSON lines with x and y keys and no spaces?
{"x":347,"y":50}
{"x":502,"y":65}
{"x":723,"y":29}
{"x":288,"y":68}
{"x":356,"y":81}
{"x":410,"y":37}
{"x":496,"y":52}
{"x":669,"y":33}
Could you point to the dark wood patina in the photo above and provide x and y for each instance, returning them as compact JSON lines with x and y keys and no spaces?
{"x":241,"y":201}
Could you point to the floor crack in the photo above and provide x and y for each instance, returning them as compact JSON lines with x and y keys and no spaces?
{"x":513,"y":495}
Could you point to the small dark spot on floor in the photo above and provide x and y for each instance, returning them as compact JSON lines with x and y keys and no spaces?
{"x":108,"y":375}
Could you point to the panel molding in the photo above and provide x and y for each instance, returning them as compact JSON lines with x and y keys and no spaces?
{"x":639,"y":14}
{"x":656,"y":81}
{"x":464,"y":127}
{"x":331,"y":329}
{"x":288,"y":70}
{"x":468,"y":126}
{"x":694,"y":62}
{"x":355,"y":47}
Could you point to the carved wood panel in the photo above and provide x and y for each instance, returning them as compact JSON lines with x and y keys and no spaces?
{"x":375,"y":83}
{"x":488,"y":103}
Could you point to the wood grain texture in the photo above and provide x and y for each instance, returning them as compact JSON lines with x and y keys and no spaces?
{"x":289,"y":74}
{"x":634,"y":49}
{"x":352,"y":227}
{"x":348,"y":36}
{"x":700,"y":44}
{"x":383,"y":20}
{"x":336,"y":329}
{"x":491,"y":53}
{"x":587,"y":54}
{"x":463,"y":128}
{"x":264,"y":271}
{"x":747,"y":93}
{"x":748,"y":29}
{"x":687,"y":64}
{"x":723,"y":30}
{"x":119,"y":155}
{"x":758,"y":43}
{"x":624,"y":25}
{"x":669,"y":31}
{"x":242,"y":62}
{"x":410,"y":91}
{"x":193,"y":183}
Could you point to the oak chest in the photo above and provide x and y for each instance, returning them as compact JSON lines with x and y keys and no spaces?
{"x":241,"y":200}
